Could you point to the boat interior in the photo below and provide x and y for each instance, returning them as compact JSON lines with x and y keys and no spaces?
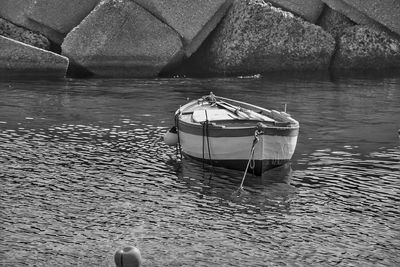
{"x":220,"y":112}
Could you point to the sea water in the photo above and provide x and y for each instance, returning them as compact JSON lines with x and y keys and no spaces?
{"x":83,"y":174}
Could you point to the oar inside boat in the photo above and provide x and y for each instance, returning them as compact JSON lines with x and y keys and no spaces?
{"x":235,"y":110}
{"x":244,"y":113}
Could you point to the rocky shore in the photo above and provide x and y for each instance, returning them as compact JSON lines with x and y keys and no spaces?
{"x":149,"y":38}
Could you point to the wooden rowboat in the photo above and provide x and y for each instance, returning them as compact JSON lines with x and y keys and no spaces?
{"x":234,"y":134}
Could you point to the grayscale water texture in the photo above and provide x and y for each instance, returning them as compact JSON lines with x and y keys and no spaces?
{"x":82,"y":175}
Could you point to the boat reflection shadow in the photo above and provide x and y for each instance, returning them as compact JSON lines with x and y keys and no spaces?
{"x":271,"y":191}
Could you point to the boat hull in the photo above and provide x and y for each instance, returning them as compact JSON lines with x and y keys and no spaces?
{"x":258,"y":167}
{"x":231,"y":148}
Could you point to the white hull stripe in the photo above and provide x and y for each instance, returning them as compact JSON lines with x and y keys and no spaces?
{"x":238,"y":148}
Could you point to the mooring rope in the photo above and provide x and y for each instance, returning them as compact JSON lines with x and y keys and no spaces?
{"x":251,"y":163}
{"x":204,"y":133}
{"x":178,"y":145}
{"x":208,"y":140}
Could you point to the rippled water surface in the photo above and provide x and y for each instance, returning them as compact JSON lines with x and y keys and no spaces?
{"x":82,"y":175}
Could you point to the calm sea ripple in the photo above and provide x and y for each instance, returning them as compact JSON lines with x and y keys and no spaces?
{"x":74,"y":189}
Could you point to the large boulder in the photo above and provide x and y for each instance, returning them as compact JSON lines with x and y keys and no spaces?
{"x":53,"y":18}
{"x":361,"y":47}
{"x":20,"y":57}
{"x":59,"y":16}
{"x":256,"y":37}
{"x":15,"y":10}
{"x":20,"y":34}
{"x":310,"y":10}
{"x":370,"y":12}
{"x":334,"y":22}
{"x":120,"y":38}
{"x":192,"y":19}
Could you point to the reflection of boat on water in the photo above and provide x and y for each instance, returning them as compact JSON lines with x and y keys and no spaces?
{"x":235,"y":135}
{"x":271,"y":191}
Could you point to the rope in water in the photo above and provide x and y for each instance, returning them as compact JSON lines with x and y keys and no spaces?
{"x":251,"y":162}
